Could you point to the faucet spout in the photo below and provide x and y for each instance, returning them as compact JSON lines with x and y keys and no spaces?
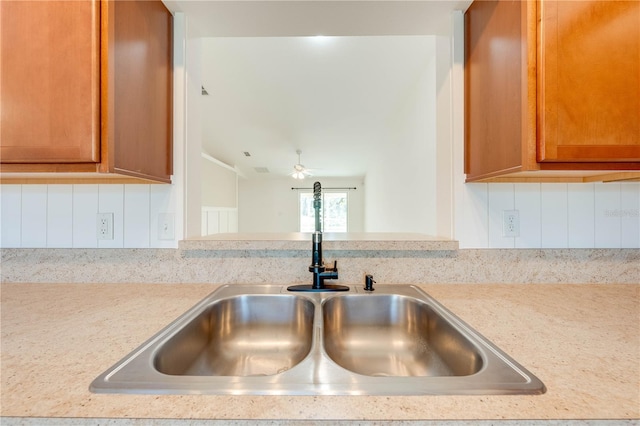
{"x":320,"y":272}
{"x":317,"y":204}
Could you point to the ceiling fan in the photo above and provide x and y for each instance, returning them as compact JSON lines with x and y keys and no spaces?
{"x":299,"y":170}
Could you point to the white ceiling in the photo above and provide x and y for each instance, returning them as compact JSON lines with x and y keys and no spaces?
{"x":334,"y":99}
{"x":275,"y":88}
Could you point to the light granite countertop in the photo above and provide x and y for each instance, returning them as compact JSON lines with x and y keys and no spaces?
{"x":582,"y":341}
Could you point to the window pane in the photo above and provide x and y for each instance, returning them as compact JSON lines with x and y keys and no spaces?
{"x":335,"y":211}
{"x":333,"y":214}
{"x":307,"y":215}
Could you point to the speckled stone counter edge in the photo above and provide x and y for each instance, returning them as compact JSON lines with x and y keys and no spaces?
{"x":255,"y":266}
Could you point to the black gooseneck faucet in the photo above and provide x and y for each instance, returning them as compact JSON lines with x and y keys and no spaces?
{"x":320,"y":272}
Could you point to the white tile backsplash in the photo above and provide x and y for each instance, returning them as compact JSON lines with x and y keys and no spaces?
{"x":65,"y":216}
{"x":580,"y":219}
{"x":528,"y":203}
{"x":607,"y":219}
{"x":137,"y":232}
{"x":34,"y":216}
{"x":111,"y":200}
{"x":553,"y":215}
{"x":10,"y":215}
{"x":85,"y":209}
{"x":630,"y":215}
{"x":501,"y":198}
{"x":60,"y":216}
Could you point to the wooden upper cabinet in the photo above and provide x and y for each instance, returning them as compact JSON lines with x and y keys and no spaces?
{"x":589,"y":59}
{"x":552,"y":90}
{"x":86,"y":89}
{"x":50,"y":81}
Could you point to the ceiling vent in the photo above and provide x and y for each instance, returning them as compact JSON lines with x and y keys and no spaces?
{"x":261,"y":169}
{"x":204,"y":91}
{"x":247,"y":154}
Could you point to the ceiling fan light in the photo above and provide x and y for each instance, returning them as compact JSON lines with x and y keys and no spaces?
{"x":299,"y":171}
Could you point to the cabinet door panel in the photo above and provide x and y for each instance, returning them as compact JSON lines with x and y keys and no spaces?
{"x":589,"y":81}
{"x":143,"y":89}
{"x":50,"y":81}
{"x":495,"y":102}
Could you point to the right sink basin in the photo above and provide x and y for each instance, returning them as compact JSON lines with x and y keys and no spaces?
{"x":394,"y":335}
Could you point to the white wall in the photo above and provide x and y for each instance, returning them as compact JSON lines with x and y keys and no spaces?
{"x":401,"y":185}
{"x":270,"y":205}
{"x":445,"y":128}
{"x":219,"y":184}
{"x":192,"y":99}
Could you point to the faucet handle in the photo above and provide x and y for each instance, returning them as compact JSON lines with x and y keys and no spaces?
{"x":335,"y":267}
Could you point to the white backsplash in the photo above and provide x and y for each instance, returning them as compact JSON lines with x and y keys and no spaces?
{"x":592,"y":215}
{"x":65,"y":216}
{"x":552,"y":215}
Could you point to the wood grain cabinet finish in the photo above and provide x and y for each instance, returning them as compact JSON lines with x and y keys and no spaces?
{"x":552,"y":90}
{"x":86,"y":91}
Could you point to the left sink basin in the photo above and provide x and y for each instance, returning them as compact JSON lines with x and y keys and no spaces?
{"x":238,"y":340}
{"x":246,"y":335}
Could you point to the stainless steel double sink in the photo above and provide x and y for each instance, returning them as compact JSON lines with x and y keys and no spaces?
{"x":264,"y":340}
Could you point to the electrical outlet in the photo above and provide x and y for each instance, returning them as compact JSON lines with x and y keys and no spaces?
{"x":510,"y":223}
{"x":105,"y":226}
{"x":166,"y":227}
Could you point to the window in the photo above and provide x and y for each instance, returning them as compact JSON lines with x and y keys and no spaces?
{"x":333,"y":214}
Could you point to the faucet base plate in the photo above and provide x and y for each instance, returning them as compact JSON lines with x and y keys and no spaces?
{"x":310,"y":288}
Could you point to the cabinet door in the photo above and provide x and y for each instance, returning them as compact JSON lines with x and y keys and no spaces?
{"x":499,"y":115}
{"x":49,"y":81}
{"x":143,"y":85}
{"x":589,"y":81}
